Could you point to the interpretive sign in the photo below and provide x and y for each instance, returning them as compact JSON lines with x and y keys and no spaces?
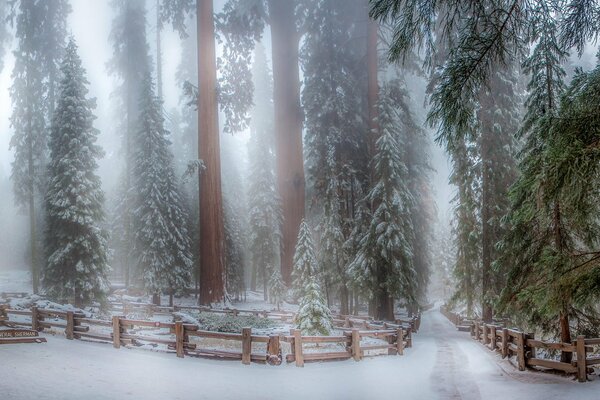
{"x":17,"y":333}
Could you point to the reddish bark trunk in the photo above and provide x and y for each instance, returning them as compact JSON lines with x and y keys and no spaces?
{"x":372,"y":86}
{"x":288,"y":126}
{"x":212,"y":253}
{"x":565,"y":336}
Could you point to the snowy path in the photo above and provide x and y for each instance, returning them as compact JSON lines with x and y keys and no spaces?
{"x":443,"y":364}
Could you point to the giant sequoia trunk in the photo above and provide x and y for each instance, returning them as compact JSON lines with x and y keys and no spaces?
{"x":288,"y":126}
{"x":212,"y":249}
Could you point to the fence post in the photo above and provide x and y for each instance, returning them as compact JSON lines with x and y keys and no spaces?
{"x":504,"y":342}
{"x":521,"y":351}
{"x":493,"y":338}
{"x":3,"y":315}
{"x":34,"y":319}
{"x":356,"y":344}
{"x":70,"y":325}
{"x":485,"y":334}
{"x":179,"y":337}
{"x":116,"y":323}
{"x":246,"y":345}
{"x":298,"y":347}
{"x":400,"y":341}
{"x":581,"y":359}
{"x":476,"y":336}
{"x":274,"y":350}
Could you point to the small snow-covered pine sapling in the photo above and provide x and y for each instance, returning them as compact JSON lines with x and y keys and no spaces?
{"x":305,"y":261}
{"x":314,"y":317}
{"x":277,"y":288}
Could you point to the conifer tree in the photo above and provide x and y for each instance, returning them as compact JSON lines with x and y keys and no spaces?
{"x":130,"y":63}
{"x":234,"y":257}
{"x":466,"y":228}
{"x":383,"y":265}
{"x":40,"y":34}
{"x":305,"y":261}
{"x":76,"y":245}
{"x":422,"y":208}
{"x":277,"y":288}
{"x":499,"y":120}
{"x":162,"y":245}
{"x":263,"y":200}
{"x":336,"y":155}
{"x":313,"y":317}
{"x":540,"y":238}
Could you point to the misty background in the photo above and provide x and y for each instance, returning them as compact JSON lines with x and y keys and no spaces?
{"x":90,"y":24}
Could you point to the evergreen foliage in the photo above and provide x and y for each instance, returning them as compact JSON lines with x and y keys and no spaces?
{"x":263,"y":201}
{"x":383,"y":265}
{"x":552,"y":248}
{"x":130,"y":63}
{"x":305,"y":261}
{"x":162,"y":246}
{"x":234,"y":257}
{"x":313,"y":317}
{"x":335,"y":140}
{"x":277,"y":288}
{"x":40,"y":33}
{"x":76,"y":245}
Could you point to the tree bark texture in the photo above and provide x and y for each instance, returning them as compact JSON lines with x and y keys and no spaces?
{"x":212,"y":249}
{"x":288,"y":126}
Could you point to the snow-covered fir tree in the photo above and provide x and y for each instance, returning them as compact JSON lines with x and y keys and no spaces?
{"x":277,"y":288}
{"x":305,"y":261}
{"x":335,"y":143}
{"x":234,"y":255}
{"x":130,"y":64}
{"x":383,"y":265}
{"x":41,"y":35}
{"x":332,"y":256}
{"x":76,"y":244}
{"x":263,"y":201}
{"x":162,"y":245}
{"x":314,"y":316}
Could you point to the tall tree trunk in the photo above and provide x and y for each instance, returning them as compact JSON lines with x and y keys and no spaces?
{"x":384,"y":310}
{"x":254,"y":277}
{"x":288,"y":126}
{"x":372,"y":86}
{"x":486,"y":234}
{"x":32,"y":225}
{"x":565,"y":329}
{"x":265,"y":285}
{"x":212,"y":250}
{"x":565,"y":334}
{"x":158,"y":52}
{"x":344,"y":300}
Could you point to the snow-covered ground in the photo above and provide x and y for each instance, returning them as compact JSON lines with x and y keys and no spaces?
{"x":443,"y":364}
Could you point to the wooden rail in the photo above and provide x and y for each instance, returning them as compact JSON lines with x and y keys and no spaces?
{"x":393,"y":340}
{"x":514,"y":343}
{"x":183,"y":339}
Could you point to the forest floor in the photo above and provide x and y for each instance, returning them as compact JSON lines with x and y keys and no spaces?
{"x":442,"y":364}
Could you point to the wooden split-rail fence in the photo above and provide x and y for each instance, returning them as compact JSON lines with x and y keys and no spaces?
{"x":179,"y":337}
{"x":514,"y":343}
{"x":339,"y":320}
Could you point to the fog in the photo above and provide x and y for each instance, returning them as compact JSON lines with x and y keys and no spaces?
{"x":90,"y":25}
